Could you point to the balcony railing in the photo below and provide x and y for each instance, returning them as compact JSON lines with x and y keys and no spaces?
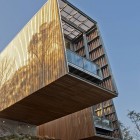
{"x":103,"y":123}
{"x":83,"y":64}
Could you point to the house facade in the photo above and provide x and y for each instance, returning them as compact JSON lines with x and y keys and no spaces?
{"x":57,"y":77}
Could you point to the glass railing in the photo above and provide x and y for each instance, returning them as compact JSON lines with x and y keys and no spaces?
{"x":103,"y":123}
{"x":83,"y":63}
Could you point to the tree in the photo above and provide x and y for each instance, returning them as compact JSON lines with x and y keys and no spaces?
{"x":135,"y":119}
{"x":126,"y":132}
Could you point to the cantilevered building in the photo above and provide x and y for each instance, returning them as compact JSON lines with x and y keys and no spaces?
{"x":54,"y":70}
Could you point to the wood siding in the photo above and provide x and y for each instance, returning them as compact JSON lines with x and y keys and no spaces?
{"x":66,"y":95}
{"x":37,"y":61}
{"x":98,"y":54}
{"x":104,"y":109}
{"x":34,"y":59}
{"x":72,"y":127}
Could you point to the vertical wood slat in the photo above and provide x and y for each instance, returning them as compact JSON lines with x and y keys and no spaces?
{"x":109,"y":109}
{"x":72,"y":127}
{"x":38,"y":52}
{"x":54,"y":128}
{"x":98,"y":55}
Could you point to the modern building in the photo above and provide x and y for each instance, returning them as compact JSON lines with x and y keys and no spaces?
{"x":56,"y":75}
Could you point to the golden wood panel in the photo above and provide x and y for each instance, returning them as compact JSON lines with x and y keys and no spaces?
{"x":72,"y":127}
{"x":54,"y":128}
{"x":64,"y":96}
{"x":34,"y":59}
{"x":100,"y":57}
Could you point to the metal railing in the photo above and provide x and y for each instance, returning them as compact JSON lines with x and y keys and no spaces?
{"x":103,"y":123}
{"x":83,"y":63}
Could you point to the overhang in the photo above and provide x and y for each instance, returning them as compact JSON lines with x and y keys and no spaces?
{"x":64,"y":96}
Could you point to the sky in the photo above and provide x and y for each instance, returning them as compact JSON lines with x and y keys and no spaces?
{"x":119,"y":23}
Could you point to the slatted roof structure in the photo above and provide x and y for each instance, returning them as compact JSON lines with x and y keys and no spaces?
{"x":74,"y":21}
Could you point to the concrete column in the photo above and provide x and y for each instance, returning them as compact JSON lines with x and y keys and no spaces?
{"x":86,"y":46}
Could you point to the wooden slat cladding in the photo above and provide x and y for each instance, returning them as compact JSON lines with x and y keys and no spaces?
{"x":107,"y":108}
{"x":98,"y":55}
{"x":79,"y":47}
{"x":72,"y":127}
{"x":62,"y":97}
{"x":35,"y":57}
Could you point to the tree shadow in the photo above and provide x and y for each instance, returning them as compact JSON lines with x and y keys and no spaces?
{"x":44,"y":65}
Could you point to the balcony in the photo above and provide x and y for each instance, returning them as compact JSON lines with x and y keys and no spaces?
{"x":83,"y":67}
{"x":102,"y":123}
{"x":103,"y":126}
